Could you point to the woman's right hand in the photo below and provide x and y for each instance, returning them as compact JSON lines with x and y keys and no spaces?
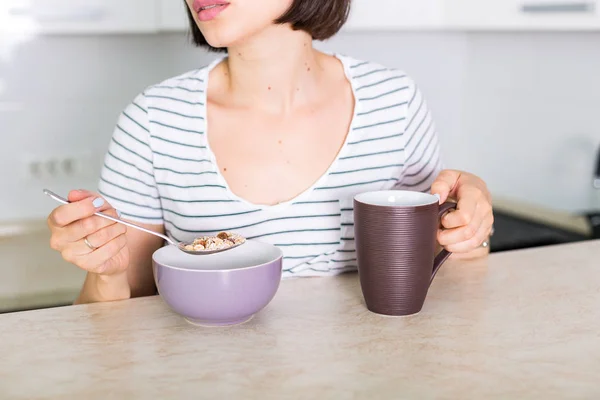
{"x":71,"y":224}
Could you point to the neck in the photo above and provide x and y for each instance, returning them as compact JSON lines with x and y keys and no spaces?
{"x":276,"y":70}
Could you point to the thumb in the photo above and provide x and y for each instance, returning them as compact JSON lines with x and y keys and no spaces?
{"x":81,"y":194}
{"x":444,"y":184}
{"x":78,"y":195}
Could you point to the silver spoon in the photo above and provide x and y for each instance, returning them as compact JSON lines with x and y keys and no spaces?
{"x":180,"y":246}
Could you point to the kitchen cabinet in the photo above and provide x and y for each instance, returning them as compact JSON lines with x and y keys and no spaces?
{"x":552,"y":15}
{"x":34,"y":275}
{"x":396,"y":15}
{"x":81,"y":16}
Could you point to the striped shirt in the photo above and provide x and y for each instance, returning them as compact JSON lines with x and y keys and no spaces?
{"x":160,"y":170}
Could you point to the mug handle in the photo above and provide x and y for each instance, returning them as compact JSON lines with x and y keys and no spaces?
{"x":444,"y":254}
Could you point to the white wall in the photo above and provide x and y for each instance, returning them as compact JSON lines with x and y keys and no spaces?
{"x":521,"y":110}
{"x":532,"y":110}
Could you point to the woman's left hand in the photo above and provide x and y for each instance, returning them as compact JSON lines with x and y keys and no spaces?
{"x":467,"y":228}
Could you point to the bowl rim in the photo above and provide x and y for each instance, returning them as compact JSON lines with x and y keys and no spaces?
{"x":279,"y":258}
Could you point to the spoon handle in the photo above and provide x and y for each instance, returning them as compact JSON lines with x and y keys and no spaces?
{"x":117,"y":220}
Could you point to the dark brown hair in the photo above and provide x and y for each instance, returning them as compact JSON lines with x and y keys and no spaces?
{"x":319,"y":18}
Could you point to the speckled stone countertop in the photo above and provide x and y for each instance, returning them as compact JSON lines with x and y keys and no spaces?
{"x":518,"y":325}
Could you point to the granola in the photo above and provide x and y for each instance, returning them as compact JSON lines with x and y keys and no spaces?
{"x":222,"y":240}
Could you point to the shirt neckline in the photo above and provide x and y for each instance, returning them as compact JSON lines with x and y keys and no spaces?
{"x":320,"y":181}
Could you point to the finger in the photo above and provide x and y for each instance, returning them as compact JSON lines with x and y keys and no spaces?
{"x":97,"y":239}
{"x":444,"y":184}
{"x":475,"y":242}
{"x":69,"y":213}
{"x":87,"y":226}
{"x":451,"y":236}
{"x":465,"y":209}
{"x":97,"y":261}
{"x":63,"y":238}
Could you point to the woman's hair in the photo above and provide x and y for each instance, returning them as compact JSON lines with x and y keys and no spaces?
{"x":319,"y":18}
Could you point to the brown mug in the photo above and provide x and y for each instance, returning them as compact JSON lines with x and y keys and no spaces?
{"x":395,"y":233}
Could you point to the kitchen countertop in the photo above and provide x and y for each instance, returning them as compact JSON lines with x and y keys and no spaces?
{"x":519,"y":324}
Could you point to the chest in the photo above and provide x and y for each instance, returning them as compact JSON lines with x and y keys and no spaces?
{"x":267,"y":158}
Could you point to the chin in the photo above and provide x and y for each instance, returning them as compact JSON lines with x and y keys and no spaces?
{"x":222,"y":37}
{"x":240,"y":21}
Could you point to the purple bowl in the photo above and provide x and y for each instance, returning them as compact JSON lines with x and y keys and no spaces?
{"x":219,"y":289}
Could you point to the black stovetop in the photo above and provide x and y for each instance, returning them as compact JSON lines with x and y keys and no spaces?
{"x":513,"y":233}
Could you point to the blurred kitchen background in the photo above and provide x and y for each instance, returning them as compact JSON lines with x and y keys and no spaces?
{"x":514,"y":86}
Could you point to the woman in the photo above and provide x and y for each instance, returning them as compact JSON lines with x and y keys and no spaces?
{"x":272,"y":142}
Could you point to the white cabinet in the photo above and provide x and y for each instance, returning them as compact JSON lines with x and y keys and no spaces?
{"x":80,"y":16}
{"x":552,"y":15}
{"x":172,"y":15}
{"x":374,"y":15}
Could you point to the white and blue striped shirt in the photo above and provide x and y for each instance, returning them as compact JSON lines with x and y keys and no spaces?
{"x":160,"y":170}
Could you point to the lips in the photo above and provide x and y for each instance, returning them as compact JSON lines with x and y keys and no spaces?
{"x":204,"y":5}
{"x":201,"y":5}
{"x":209,"y":9}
